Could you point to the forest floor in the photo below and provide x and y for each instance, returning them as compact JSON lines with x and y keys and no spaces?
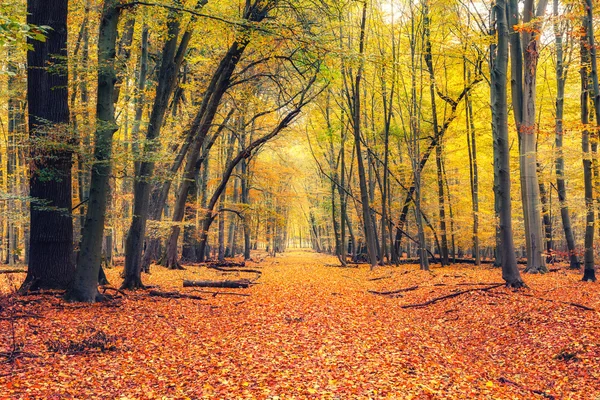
{"x":307,"y":330}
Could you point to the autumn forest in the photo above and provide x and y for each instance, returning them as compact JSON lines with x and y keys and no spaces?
{"x":299,"y":199}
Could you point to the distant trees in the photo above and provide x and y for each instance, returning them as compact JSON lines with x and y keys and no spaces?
{"x":191,"y":96}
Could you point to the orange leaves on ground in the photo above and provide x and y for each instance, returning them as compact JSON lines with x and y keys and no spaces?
{"x":310,"y":331}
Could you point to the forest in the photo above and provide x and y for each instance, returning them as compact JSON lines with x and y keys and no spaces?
{"x":299,"y":199}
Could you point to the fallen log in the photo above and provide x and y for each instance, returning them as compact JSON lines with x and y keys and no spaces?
{"x":393,"y":292}
{"x":239,"y":284}
{"x":227,"y":269}
{"x":174,"y":295}
{"x":13,"y":271}
{"x":448,"y":296}
{"x":227,"y":264}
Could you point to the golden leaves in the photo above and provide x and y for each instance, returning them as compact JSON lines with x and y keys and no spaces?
{"x":308,"y":331}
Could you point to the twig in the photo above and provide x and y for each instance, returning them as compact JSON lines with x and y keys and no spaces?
{"x":540,"y":392}
{"x":448,"y":296}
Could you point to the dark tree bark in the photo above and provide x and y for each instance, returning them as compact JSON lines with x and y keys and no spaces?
{"x":588,"y":58}
{"x":85,"y":283}
{"x":51,"y":227}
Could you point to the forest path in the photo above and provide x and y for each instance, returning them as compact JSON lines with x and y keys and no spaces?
{"x":311,"y":331}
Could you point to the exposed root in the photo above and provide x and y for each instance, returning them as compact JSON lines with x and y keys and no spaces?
{"x":570,"y":303}
{"x":449,"y":296}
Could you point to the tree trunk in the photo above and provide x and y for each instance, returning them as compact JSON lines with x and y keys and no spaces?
{"x":438,"y":149}
{"x":51,"y":227}
{"x":364,"y":192}
{"x":85,"y":284}
{"x":524,"y":68}
{"x":588,"y":56}
{"x":510,"y":272}
{"x":561,"y":77}
{"x":16,"y":134}
{"x":473,"y":172}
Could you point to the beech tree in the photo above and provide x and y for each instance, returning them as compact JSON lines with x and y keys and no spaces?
{"x":84,"y":287}
{"x":51,"y":263}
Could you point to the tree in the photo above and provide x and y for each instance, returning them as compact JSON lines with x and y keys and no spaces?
{"x":51,"y":263}
{"x":510,"y":272}
{"x":588,"y":57}
{"x":172,"y":57}
{"x":524,"y":60}
{"x":84,"y":287}
{"x":561,"y":77}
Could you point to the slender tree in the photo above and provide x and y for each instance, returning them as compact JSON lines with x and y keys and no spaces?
{"x":510,"y":272}
{"x":588,"y":60}
{"x":524,"y":60}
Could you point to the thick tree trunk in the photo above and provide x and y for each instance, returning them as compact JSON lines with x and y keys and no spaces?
{"x":51,"y":227}
{"x":85,"y":284}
